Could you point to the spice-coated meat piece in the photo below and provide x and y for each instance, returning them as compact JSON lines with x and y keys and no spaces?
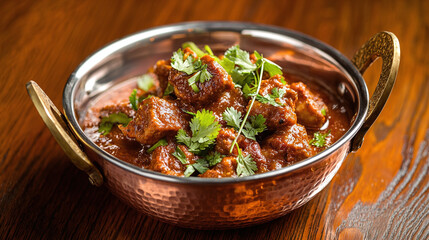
{"x":162,"y":70}
{"x":231,"y":98}
{"x":310,"y":109}
{"x":163,"y":161}
{"x":276,"y":116}
{"x":208,"y":91}
{"x":291,"y":142}
{"x":223,"y":144}
{"x":155,"y":119}
{"x":226,"y":168}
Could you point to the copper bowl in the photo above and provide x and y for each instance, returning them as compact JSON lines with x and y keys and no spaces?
{"x":230,"y":202}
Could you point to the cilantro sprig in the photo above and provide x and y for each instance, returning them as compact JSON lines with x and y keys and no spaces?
{"x":271,"y":98}
{"x":201,"y":165}
{"x":245,"y":164}
{"x":204,"y":128}
{"x":190,"y":66}
{"x":253,"y":127}
{"x":107,"y":123}
{"x":319,"y":139}
{"x":145,"y":82}
{"x":161,"y":142}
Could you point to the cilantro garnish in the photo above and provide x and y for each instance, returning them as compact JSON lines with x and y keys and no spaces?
{"x":319,"y":139}
{"x":107,"y":123}
{"x":271,"y":98}
{"x":134,"y":101}
{"x":204,"y":129}
{"x":168,"y":90}
{"x":245,"y":164}
{"x":161,"y":142}
{"x":145,"y":82}
{"x":323,"y":111}
{"x":200,"y":165}
{"x":253,"y":127}
{"x":194,"y":48}
{"x":190,"y":66}
{"x":214,"y":158}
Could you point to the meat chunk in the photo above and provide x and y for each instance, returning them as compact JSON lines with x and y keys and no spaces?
{"x":209,"y":90}
{"x":291,"y":143}
{"x":231,"y":98}
{"x":122,"y":107}
{"x":155,"y":119}
{"x":309,"y":107}
{"x":226,"y":168}
{"x":163,"y":161}
{"x":224,"y":141}
{"x":162,"y":70}
{"x":276,"y":116}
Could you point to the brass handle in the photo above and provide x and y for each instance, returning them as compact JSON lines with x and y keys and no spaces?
{"x":386,"y":46}
{"x":57,"y":125}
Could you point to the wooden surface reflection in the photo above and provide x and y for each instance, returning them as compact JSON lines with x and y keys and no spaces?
{"x":380,"y":192}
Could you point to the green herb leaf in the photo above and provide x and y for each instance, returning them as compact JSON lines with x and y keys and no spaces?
{"x":245,"y":164}
{"x":161,"y":142}
{"x":319,"y":139}
{"x":204,"y":129}
{"x":134,"y":101}
{"x":214,"y":158}
{"x":271,"y":98}
{"x":232,"y":117}
{"x":168,"y":90}
{"x":179,"y":154}
{"x":202,"y":76}
{"x":323,"y":111}
{"x":107,"y":123}
{"x":240,"y":58}
{"x":189,"y":170}
{"x":254,"y":126}
{"x":181,"y":65}
{"x":201,"y":165}
{"x":145,"y":82}
{"x":269,"y":66}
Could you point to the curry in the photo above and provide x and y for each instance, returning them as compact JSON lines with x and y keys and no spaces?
{"x":199,"y":114}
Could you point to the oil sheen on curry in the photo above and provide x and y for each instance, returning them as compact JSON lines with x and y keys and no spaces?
{"x":203,"y":115}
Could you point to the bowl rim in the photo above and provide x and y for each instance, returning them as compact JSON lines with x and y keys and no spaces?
{"x":231,"y":26}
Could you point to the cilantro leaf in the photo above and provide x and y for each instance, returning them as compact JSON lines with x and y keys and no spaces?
{"x":271,"y":98}
{"x":269,"y":66}
{"x":319,"y":139}
{"x":214,"y":158}
{"x":240,"y":58}
{"x":201,"y":165}
{"x":254,"y":126}
{"x":134,"y":101}
{"x":145,"y":82}
{"x":161,"y":142}
{"x":202,"y":76}
{"x":179,"y":154}
{"x":245,"y":164}
{"x":323,"y":111}
{"x":168,"y":90}
{"x":181,"y":65}
{"x":107,"y":123}
{"x":204,"y":129}
{"x":232,"y":117}
{"x":189,"y":170}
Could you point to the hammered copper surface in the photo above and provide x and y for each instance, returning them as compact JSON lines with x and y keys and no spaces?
{"x":221,"y":206}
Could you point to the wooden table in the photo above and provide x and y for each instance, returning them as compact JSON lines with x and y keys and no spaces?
{"x":380,"y":192}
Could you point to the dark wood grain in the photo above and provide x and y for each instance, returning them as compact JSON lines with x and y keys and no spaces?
{"x":380,"y":192}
